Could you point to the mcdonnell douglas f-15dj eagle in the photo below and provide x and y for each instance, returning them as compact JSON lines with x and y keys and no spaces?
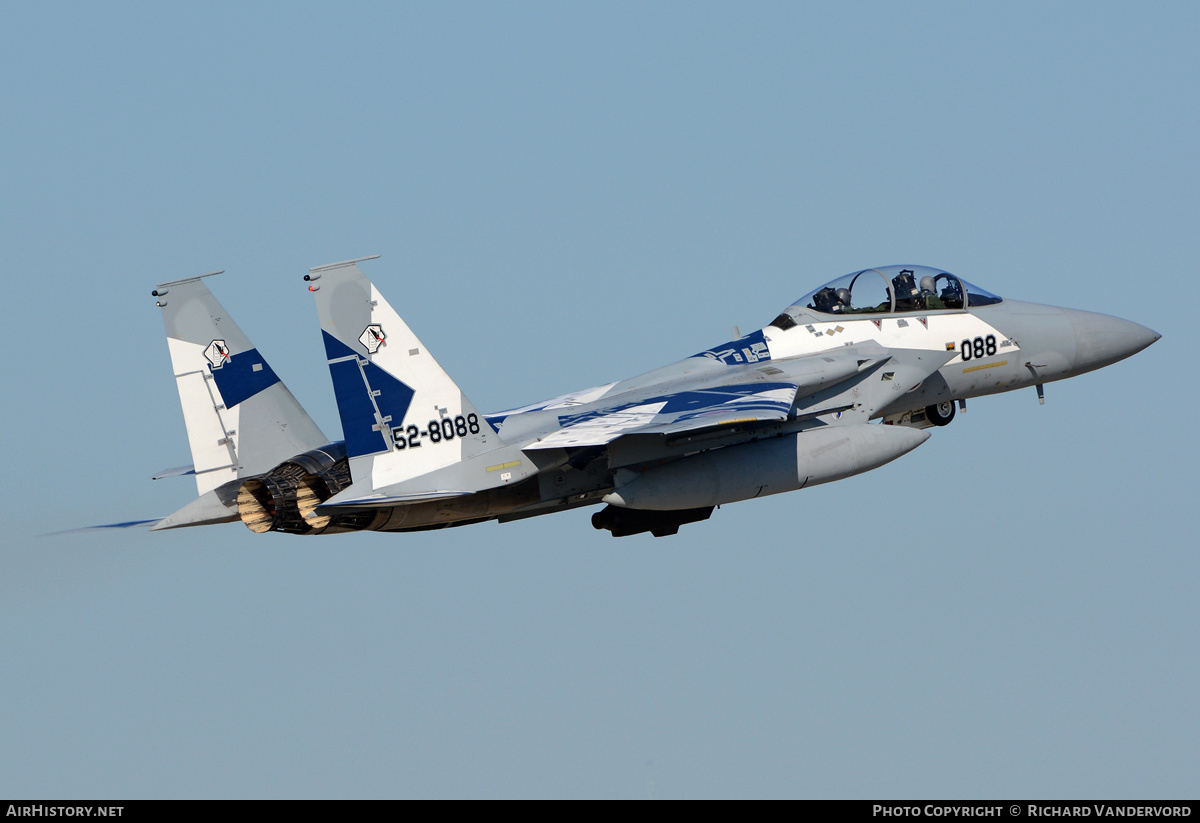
{"x":847,"y":378}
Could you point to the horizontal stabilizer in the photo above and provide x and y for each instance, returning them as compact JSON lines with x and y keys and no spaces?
{"x":128,"y":524}
{"x":178,"y":471}
{"x":214,"y":506}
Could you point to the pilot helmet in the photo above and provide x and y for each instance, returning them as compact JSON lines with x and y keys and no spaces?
{"x":953,"y":290}
{"x":843,"y":296}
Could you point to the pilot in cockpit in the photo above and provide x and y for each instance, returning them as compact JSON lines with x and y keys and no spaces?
{"x":908,"y":296}
{"x":832,"y":301}
{"x":929,"y":293}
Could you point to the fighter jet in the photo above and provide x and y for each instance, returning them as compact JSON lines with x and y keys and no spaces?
{"x":849,"y":377}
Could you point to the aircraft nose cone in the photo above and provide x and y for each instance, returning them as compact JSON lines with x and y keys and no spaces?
{"x":1101,"y":339}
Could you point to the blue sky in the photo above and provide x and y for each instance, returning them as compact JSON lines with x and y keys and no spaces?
{"x":564,"y":195}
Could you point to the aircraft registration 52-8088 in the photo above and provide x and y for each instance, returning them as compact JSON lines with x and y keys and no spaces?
{"x":847,"y":378}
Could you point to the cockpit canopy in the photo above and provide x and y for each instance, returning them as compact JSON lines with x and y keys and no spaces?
{"x":888,"y":290}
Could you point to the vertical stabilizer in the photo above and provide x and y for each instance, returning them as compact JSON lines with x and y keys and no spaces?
{"x":241,"y":419}
{"x":402,"y":415}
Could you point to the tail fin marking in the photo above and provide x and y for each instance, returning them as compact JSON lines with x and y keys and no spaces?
{"x":240,"y":378}
{"x":402,"y":415}
{"x":370,"y":401}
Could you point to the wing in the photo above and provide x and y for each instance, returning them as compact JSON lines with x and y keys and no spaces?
{"x":672,"y":413}
{"x":817,"y":385}
{"x":826,"y":383}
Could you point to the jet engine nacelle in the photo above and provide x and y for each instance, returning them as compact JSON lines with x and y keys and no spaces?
{"x":285,"y":499}
{"x":780,"y":464}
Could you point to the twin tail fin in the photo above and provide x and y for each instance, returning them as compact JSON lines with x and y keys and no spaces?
{"x":241,"y":419}
{"x":402,"y":416}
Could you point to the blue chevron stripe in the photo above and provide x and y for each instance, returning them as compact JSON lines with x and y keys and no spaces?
{"x":242,"y":376}
{"x":354,"y":381}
